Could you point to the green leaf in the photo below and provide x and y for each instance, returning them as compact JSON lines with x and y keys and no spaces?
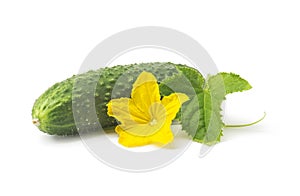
{"x":228,"y":82}
{"x":216,"y":88}
{"x":212,"y":120}
{"x":188,"y":81}
{"x":201,"y":115}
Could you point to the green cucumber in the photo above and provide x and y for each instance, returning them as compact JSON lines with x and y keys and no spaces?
{"x":53,"y":112}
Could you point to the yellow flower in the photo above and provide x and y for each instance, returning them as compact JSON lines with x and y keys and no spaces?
{"x":145,"y":118}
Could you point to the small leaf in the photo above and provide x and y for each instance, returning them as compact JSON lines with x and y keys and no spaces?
{"x":229,"y":81}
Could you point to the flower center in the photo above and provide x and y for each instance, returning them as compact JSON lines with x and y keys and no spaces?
{"x":153,"y":122}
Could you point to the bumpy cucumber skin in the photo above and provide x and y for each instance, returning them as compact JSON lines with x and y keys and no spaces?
{"x":54,"y":108}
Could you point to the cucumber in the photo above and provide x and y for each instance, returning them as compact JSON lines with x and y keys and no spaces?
{"x":53,"y":112}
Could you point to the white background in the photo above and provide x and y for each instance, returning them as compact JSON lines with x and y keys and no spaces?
{"x":43,"y":43}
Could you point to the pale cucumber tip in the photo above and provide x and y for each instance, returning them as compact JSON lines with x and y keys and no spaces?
{"x":36,"y":122}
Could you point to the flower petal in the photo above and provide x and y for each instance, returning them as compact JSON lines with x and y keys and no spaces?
{"x":145,"y":91}
{"x":173,"y":103}
{"x":163,"y":136}
{"x":129,"y":140}
{"x":144,"y":130}
{"x":125,"y":111}
{"x":158,"y":117}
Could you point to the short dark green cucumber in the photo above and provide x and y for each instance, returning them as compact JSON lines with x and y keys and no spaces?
{"x":58,"y":108}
